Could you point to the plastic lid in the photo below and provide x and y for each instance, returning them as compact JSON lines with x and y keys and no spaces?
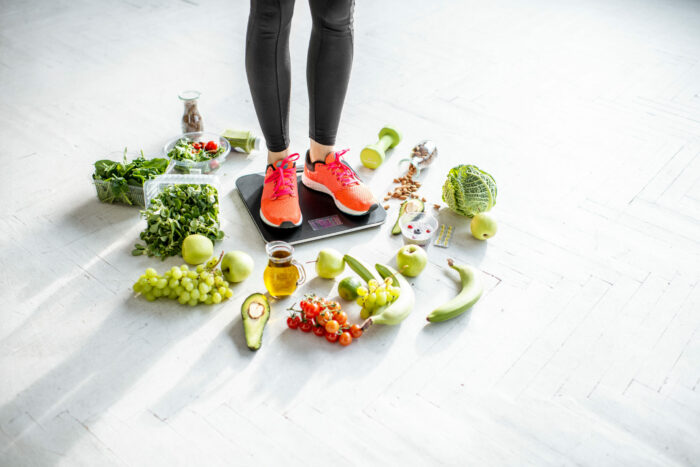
{"x":256,"y":143}
{"x":189,"y":95}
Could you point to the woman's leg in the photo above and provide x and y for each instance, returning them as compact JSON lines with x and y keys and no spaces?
{"x":327,"y":75}
{"x":328,"y":70}
{"x":268,"y":69}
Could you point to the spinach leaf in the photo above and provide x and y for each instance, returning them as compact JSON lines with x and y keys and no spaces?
{"x":118,"y":178}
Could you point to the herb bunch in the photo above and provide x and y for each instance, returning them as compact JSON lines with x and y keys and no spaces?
{"x":179,"y":211}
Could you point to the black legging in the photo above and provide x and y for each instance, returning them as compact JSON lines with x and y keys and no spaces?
{"x":327,"y":67}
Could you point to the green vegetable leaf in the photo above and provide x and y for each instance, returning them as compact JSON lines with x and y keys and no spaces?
{"x":469,"y":190}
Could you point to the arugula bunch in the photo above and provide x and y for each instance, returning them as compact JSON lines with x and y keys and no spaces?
{"x":184,"y":150}
{"x":179,"y":211}
{"x":120,"y":177}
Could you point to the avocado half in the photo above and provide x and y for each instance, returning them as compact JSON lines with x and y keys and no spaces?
{"x":410,"y":205}
{"x":255,"y":312}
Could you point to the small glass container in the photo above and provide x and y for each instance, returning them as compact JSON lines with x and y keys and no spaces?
{"x":283,"y":273}
{"x":191,"y":119}
{"x":418,"y":228}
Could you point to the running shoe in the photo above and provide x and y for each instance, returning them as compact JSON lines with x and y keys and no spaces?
{"x":336,"y":178}
{"x":279,"y":206}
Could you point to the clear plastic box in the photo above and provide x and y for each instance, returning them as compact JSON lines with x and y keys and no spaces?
{"x":134,"y":194}
{"x":154,"y":187}
{"x":203,"y":167}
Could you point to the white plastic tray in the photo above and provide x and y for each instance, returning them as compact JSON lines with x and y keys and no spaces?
{"x":154,"y":187}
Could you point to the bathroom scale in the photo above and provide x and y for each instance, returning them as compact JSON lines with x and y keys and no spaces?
{"x":321,"y":218}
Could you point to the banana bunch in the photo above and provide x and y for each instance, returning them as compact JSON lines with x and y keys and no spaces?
{"x":472,"y":289}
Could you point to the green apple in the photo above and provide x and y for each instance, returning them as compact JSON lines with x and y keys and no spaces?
{"x":236,"y":266}
{"x":196,"y":249}
{"x":483,"y":226}
{"x":329,"y":263}
{"x":411,"y":260}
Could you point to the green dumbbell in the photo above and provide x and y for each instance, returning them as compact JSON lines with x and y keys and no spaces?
{"x":373,"y":155}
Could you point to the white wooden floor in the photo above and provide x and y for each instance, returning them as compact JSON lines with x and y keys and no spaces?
{"x":585,"y":349}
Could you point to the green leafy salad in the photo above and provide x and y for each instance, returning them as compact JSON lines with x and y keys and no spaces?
{"x":178,"y":211}
{"x":120,"y":178}
{"x":188,"y":150}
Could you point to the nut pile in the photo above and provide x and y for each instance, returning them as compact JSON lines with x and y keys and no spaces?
{"x":406,"y":189}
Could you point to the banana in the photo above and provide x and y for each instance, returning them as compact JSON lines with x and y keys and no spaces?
{"x":472,"y":289}
{"x":399,"y":309}
{"x":359,"y":268}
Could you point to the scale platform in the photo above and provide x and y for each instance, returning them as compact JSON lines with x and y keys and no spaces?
{"x":321,"y":218}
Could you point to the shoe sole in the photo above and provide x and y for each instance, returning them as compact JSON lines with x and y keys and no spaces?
{"x":283,"y":225}
{"x":312,"y":185}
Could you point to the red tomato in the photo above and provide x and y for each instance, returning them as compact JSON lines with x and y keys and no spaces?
{"x":211,"y":146}
{"x":331,"y":337}
{"x":305,"y":326}
{"x":319,"y":331}
{"x":312,"y":310}
{"x":323,"y":317}
{"x":293,"y":322}
{"x":355,"y":331}
{"x":341,"y":317}
{"x":345,"y":339}
{"x":332,"y":326}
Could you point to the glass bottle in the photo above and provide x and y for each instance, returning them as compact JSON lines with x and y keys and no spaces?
{"x":191,"y":119}
{"x":242,"y":140}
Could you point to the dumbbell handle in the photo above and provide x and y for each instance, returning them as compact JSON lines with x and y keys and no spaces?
{"x":384,"y":142}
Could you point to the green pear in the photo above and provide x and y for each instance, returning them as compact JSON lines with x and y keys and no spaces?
{"x":329,"y":263}
{"x":483,"y":226}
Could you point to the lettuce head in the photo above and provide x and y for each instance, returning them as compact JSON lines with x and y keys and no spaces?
{"x":469,"y":190}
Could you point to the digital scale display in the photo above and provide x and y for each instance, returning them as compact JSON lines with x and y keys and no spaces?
{"x":325,"y":222}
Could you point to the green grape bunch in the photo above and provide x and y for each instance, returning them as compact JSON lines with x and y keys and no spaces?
{"x":375,"y":295}
{"x":205,"y":284}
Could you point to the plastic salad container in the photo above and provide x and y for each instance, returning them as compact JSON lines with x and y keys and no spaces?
{"x":186,"y":163}
{"x":110,"y":191}
{"x":154,"y":187}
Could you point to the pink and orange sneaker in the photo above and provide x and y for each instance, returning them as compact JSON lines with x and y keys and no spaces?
{"x":337,"y":179}
{"x":279,"y":206}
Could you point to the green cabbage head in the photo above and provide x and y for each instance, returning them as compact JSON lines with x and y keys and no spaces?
{"x":469,"y":190}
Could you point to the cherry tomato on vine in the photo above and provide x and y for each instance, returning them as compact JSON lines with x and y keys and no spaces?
{"x":332,"y":326}
{"x":345,"y":339}
{"x":331,"y":337}
{"x":341,"y":317}
{"x":312,"y":310}
{"x":319,"y":331}
{"x":323,"y":317}
{"x":305,"y":326}
{"x":293,"y":322}
{"x":355,"y":331}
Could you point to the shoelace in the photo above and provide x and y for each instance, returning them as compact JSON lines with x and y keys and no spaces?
{"x":284,"y":175}
{"x":342,"y":172}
